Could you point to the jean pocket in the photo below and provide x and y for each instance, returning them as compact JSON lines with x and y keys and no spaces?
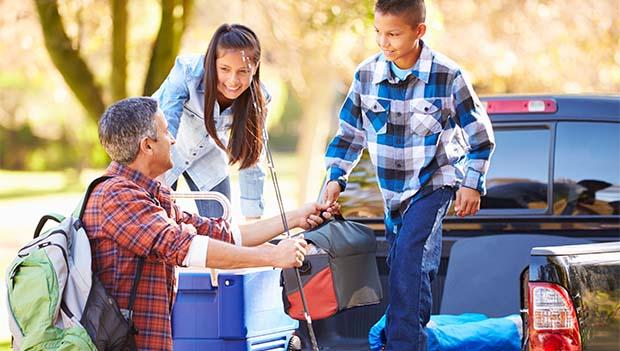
{"x":426,"y":118}
{"x":377,"y":112}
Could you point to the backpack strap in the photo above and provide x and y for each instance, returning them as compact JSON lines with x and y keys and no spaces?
{"x":82,"y":205}
{"x":136,"y":281}
{"x":134,"y":287}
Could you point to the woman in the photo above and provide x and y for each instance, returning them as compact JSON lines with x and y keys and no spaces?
{"x":214,"y":105}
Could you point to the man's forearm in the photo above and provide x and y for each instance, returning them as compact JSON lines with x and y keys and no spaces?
{"x":259,"y":232}
{"x":227,"y":256}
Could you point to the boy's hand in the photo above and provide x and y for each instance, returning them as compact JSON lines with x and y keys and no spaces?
{"x":467,"y":202}
{"x":311,"y":215}
{"x":331,"y":193}
{"x":289,"y":253}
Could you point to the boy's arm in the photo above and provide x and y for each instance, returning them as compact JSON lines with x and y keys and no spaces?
{"x":470,"y":115}
{"x":345,"y":149}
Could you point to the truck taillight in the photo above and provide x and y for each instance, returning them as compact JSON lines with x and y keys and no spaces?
{"x":553,"y":324}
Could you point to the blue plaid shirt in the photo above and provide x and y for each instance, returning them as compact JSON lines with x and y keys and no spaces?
{"x":425,"y":132}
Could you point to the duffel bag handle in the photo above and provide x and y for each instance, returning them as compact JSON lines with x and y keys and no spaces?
{"x":50,"y":216}
{"x":306,"y":267}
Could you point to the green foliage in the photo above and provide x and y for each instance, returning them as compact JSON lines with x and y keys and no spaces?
{"x":21,"y":149}
{"x":284,"y":134}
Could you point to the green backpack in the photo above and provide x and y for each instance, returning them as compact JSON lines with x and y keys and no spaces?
{"x":54,"y":300}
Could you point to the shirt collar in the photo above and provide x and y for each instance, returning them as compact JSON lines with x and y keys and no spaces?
{"x":201,"y":84}
{"x":421,"y":69}
{"x":150,"y":185}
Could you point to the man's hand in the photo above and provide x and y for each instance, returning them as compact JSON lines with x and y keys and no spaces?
{"x":312,"y":214}
{"x":331,"y":193}
{"x":467,"y":202}
{"x":289,"y":253}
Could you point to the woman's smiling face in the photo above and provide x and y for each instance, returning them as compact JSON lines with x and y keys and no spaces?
{"x":234,"y":73}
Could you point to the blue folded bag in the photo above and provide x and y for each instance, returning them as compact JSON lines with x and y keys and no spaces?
{"x":468,"y":331}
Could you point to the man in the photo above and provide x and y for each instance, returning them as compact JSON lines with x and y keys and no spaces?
{"x":428,"y":135}
{"x":132,"y":215}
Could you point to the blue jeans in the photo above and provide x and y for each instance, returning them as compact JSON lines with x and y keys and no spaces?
{"x":413,"y":258}
{"x":208,"y":208}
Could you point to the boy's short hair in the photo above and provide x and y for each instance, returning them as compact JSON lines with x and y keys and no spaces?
{"x":414,"y":10}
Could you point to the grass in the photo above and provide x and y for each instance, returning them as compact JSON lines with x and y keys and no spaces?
{"x":5,"y":345}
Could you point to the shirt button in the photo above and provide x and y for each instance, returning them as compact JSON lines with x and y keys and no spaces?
{"x":398,"y":114}
{"x":426,"y":109}
{"x":194,"y":154}
{"x":399,"y":165}
{"x":200,"y":146}
{"x":186,"y":162}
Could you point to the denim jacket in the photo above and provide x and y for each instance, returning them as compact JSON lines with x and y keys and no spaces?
{"x":181,"y":98}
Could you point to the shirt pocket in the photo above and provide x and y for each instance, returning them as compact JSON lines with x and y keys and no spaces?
{"x":426,"y":118}
{"x":192,"y":127}
{"x":377,"y":112}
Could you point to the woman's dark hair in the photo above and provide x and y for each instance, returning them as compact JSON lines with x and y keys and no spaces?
{"x":246,"y":139}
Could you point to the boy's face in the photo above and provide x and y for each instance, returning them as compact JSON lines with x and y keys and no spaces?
{"x":398,"y":39}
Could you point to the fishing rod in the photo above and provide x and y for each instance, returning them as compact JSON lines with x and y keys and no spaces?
{"x":274,"y":178}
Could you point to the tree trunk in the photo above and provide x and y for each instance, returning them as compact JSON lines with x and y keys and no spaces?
{"x":68,"y":61}
{"x":118,"y":77}
{"x":175,"y":15}
{"x":317,"y":101}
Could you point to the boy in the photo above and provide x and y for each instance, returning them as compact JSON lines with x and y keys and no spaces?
{"x":428,"y":135}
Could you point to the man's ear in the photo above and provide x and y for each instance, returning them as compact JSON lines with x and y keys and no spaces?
{"x":420,"y":30}
{"x":145,"y":146}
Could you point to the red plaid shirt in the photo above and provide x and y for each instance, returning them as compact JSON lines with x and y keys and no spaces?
{"x":131,"y":215}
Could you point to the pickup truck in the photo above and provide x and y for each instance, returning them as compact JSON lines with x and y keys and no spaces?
{"x":574,"y":298}
{"x":554,"y":180}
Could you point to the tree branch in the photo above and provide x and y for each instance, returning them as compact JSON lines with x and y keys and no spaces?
{"x":174,"y":17}
{"x":68,"y":61}
{"x":118,"y":77}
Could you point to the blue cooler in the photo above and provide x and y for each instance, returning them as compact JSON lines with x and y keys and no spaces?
{"x":243,"y":312}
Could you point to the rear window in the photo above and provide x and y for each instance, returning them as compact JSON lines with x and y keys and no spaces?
{"x":587,"y":169}
{"x":519,"y":171}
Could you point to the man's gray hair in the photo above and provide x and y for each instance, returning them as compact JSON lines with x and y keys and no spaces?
{"x":123,"y":126}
